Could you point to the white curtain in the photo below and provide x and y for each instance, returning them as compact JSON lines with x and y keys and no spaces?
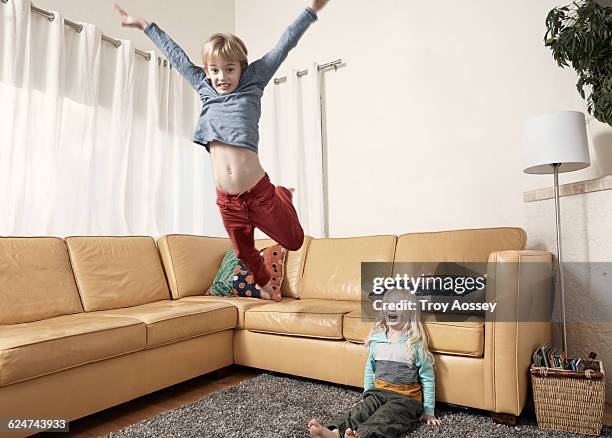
{"x":94,"y":139}
{"x":292,"y":145}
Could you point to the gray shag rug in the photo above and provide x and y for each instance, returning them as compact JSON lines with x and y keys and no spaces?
{"x":277,"y":406}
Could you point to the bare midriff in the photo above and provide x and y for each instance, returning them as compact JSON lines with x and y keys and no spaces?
{"x":236,"y":169}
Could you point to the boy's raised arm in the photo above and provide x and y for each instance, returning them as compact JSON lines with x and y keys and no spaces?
{"x":177,"y":57}
{"x":271,"y":61}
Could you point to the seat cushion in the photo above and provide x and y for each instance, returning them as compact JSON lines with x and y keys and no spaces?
{"x":117,"y":271}
{"x":33,"y":349}
{"x":309,"y":317}
{"x":171,"y":321}
{"x":356,"y":326}
{"x":241,"y":304}
{"x":446,"y":334}
{"x":36,"y":280}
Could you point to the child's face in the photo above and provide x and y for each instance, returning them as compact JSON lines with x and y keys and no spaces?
{"x":395,"y":319}
{"x":224,"y":75}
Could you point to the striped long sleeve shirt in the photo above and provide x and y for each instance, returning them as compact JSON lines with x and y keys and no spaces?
{"x":387,"y":368}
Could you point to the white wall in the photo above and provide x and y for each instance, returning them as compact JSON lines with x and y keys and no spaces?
{"x":587,"y":255}
{"x":424,"y":126}
{"x":189,"y":22}
{"x":424,"y":121}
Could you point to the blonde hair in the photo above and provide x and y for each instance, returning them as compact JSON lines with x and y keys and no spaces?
{"x":227,"y":47}
{"x":413,"y":328}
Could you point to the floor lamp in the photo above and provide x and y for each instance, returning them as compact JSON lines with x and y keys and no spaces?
{"x":554,"y":143}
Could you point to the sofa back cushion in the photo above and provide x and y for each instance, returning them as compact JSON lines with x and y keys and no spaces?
{"x":294,"y":266}
{"x":333,"y":265}
{"x":191,"y":263}
{"x":458,"y":245}
{"x":36,"y":280}
{"x":117,"y":271}
{"x":463,"y":253}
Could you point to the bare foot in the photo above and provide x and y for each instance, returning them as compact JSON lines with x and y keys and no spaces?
{"x":349,"y":433}
{"x":266,"y":292}
{"x":315,"y":429}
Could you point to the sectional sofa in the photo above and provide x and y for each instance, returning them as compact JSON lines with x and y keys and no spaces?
{"x":87,"y":323}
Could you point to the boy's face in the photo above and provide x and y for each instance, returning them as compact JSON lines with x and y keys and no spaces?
{"x":224,"y":75}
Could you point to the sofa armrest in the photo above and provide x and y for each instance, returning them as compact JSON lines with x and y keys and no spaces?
{"x":521,"y":282}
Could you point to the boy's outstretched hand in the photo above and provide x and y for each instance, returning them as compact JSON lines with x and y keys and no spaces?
{"x":430,"y":419}
{"x":317,"y":5}
{"x":129,"y":21}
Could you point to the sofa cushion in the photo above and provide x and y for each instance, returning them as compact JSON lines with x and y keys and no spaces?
{"x":356,"y":326}
{"x":307,"y":317}
{"x":234,"y":278}
{"x":241,"y":304}
{"x":171,"y":321}
{"x":114,"y":272}
{"x":473,"y":245}
{"x":333,"y":266}
{"x":191,"y":262}
{"x":33,"y":349}
{"x":446,"y":334}
{"x":36,"y":280}
{"x":294,"y":266}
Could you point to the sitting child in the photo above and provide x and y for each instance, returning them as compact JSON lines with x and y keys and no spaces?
{"x":398,"y":363}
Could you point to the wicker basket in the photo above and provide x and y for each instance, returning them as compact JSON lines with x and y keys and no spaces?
{"x":570,"y":401}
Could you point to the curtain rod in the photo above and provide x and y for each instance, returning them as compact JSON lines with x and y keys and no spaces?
{"x":301,"y":73}
{"x":79,"y":27}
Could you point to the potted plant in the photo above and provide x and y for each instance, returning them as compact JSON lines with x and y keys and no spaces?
{"x":581,"y":34}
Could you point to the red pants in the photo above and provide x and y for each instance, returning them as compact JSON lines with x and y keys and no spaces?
{"x":268,"y":208}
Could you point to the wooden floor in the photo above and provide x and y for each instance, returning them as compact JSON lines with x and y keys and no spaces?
{"x":126,"y":414}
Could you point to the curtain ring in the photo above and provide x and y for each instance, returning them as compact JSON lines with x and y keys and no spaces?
{"x":335,"y":67}
{"x":4,"y":1}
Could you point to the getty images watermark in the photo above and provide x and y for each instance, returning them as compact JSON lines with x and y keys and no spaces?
{"x":463,"y":291}
{"x":431,"y":284}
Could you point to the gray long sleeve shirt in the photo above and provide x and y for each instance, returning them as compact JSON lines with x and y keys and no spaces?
{"x":232,"y":118}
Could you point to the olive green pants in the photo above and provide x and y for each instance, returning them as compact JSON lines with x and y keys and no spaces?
{"x":380,"y":414}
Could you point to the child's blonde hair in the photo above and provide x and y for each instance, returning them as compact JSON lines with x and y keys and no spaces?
{"x":227,"y":47}
{"x":413,"y":328}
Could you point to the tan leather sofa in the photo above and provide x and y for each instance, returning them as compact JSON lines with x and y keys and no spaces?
{"x":87,"y":323}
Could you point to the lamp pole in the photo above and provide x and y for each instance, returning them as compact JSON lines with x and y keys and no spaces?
{"x":559,"y":257}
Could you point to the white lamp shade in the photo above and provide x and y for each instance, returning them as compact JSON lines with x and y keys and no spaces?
{"x":557,"y":137}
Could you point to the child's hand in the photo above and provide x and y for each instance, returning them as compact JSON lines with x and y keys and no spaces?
{"x":129,"y":21}
{"x":317,"y":5}
{"x":430,"y":419}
